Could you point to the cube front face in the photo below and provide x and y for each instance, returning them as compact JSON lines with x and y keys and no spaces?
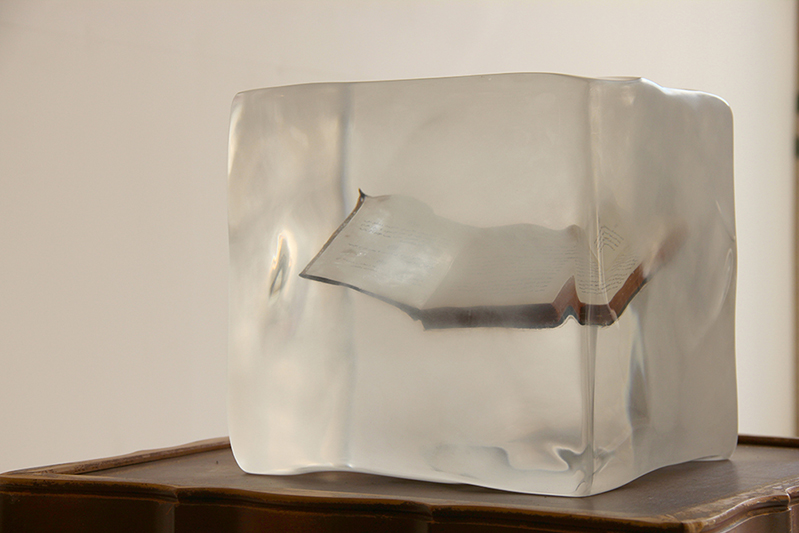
{"x":334,"y":376}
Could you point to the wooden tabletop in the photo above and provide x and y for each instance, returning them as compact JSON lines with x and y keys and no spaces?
{"x":199,"y":487}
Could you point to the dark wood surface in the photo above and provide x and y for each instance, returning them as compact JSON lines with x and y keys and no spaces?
{"x":199,"y":487}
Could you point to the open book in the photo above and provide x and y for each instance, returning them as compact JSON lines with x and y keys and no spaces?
{"x":447,"y":275}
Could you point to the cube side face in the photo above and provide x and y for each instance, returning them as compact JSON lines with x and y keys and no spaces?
{"x":288,"y":340}
{"x":491,"y":406}
{"x":668,"y":154}
{"x":322,"y":376}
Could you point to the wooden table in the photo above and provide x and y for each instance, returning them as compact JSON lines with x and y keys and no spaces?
{"x":199,"y":487}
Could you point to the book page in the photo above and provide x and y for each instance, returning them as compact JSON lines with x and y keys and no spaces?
{"x":604,"y":268}
{"x":510,"y":265}
{"x":393,"y":247}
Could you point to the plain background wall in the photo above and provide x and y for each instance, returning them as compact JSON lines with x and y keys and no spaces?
{"x":113,"y":162}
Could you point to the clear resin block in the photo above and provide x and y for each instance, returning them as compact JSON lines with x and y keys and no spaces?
{"x":521,"y":281}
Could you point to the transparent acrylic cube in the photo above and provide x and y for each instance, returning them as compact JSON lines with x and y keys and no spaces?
{"x":615,"y":194}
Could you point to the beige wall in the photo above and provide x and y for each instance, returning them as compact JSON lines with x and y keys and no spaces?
{"x":113,"y":140}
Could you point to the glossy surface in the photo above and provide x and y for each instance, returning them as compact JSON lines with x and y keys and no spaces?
{"x":323,"y":377}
